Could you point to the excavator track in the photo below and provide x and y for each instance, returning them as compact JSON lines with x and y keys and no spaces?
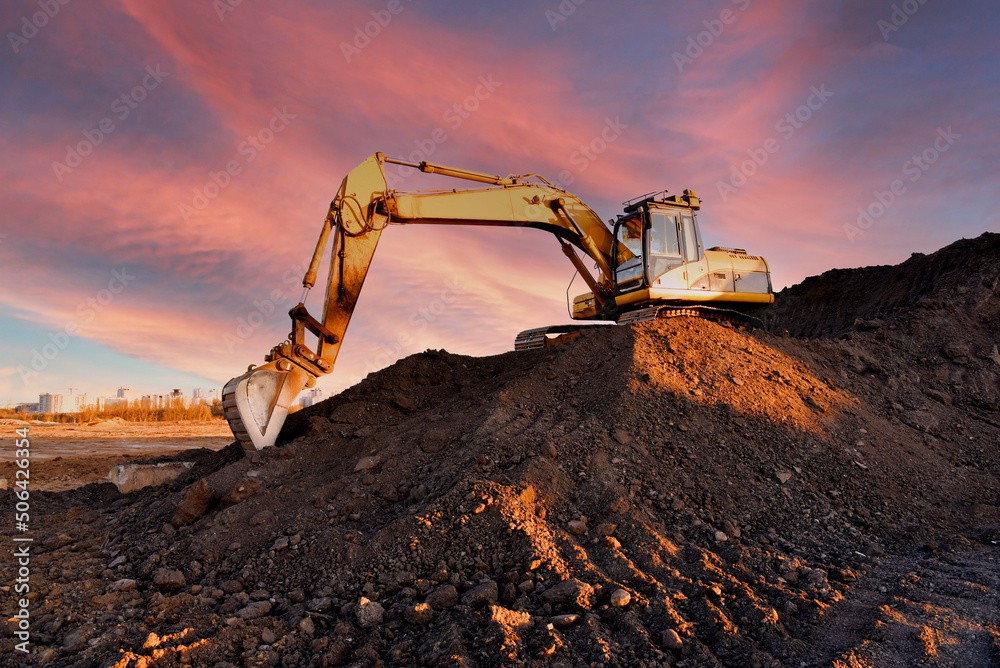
{"x":543,"y":337}
{"x":737,"y":318}
{"x":531,"y":339}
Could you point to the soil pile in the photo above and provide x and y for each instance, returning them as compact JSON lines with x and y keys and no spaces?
{"x":671,"y":493}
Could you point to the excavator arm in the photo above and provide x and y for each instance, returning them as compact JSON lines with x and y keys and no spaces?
{"x":257,"y":403}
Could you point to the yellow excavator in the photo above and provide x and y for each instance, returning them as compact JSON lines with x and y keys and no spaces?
{"x":649,"y":262}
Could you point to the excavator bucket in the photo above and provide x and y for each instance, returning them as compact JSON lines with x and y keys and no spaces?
{"x":256,"y":403}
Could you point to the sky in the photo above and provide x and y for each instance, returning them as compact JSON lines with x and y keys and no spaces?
{"x":167,"y":165}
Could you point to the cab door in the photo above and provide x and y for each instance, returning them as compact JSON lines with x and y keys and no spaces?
{"x":694,"y":256}
{"x":664,"y":250}
{"x":629,"y":269}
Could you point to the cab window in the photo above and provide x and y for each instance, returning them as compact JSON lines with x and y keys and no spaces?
{"x":629,"y":239}
{"x":629,"y":273}
{"x":663,"y":234}
{"x":664,"y":243}
{"x":689,"y":236}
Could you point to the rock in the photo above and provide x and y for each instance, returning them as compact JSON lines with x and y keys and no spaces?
{"x":868,"y":325}
{"x":166,"y":578}
{"x":671,"y":640}
{"x":994,"y":355}
{"x":570,"y":591}
{"x":576,"y":528}
{"x":254,"y":610}
{"x":940,"y":397}
{"x":606,"y":529}
{"x":367,"y":463}
{"x":845,"y":575}
{"x":816,"y":577}
{"x":620,"y":598}
{"x":623,"y":437}
{"x":76,"y":639}
{"x":262,"y":517}
{"x":783,"y":476}
{"x":721,"y":537}
{"x":564,"y":620}
{"x":874,"y":550}
{"x":956,"y":349}
{"x":307,"y":626}
{"x":130,"y":477}
{"x":240,"y":492}
{"x":231,"y":587}
{"x":419,"y":614}
{"x":511,"y":619}
{"x":125,"y":584}
{"x":404,"y":403}
{"x":434,"y":441}
{"x":267,"y":637}
{"x":195,"y":503}
{"x":481,"y":594}
{"x":369,"y":613}
{"x":418,"y":493}
{"x":319,"y":425}
{"x":549,"y":450}
{"x":321,"y":604}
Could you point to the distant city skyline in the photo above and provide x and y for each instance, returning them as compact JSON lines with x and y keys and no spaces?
{"x":73,"y":400}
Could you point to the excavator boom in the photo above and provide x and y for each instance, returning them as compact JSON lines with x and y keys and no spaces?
{"x":257,"y":403}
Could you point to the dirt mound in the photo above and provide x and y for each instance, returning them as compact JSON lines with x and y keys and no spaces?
{"x":958,"y":282}
{"x":675,"y":492}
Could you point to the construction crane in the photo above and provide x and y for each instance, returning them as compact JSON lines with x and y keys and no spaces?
{"x":649,"y":262}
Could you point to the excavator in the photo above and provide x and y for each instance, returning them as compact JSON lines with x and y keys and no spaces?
{"x":649,"y":263}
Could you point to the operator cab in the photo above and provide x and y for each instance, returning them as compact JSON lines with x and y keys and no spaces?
{"x":657,"y":259}
{"x":656,"y":234}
